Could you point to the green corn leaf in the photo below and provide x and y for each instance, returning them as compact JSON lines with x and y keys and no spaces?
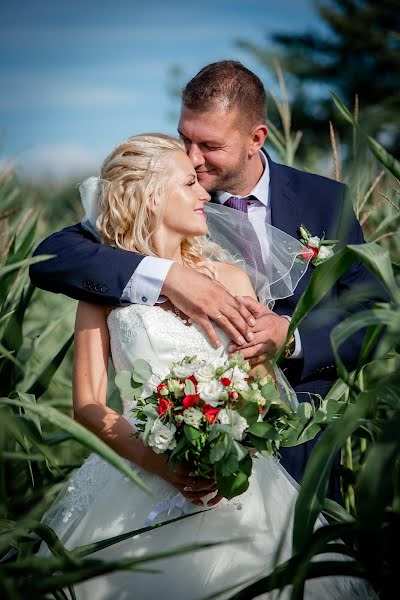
{"x":316,"y":476}
{"x":348,"y":327}
{"x":42,"y":381}
{"x":377,"y":149}
{"x":81,"y":434}
{"x":375,"y":491}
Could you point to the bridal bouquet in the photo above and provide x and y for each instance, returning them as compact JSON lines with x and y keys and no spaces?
{"x":210,"y":414}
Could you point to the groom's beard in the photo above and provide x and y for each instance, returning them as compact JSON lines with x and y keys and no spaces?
{"x":230,"y":179}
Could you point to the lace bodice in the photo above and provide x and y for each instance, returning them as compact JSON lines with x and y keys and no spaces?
{"x":158,"y":336}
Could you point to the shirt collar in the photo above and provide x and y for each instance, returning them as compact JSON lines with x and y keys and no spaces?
{"x":259,"y":191}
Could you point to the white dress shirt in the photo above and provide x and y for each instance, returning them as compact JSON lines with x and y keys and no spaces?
{"x":144,"y":287}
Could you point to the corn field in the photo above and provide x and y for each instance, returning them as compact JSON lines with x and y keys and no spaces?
{"x":40,"y":443}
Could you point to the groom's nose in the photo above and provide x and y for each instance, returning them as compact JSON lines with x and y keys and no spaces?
{"x":195,"y":155}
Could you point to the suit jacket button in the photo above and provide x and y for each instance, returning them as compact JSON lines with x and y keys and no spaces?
{"x":91,"y":285}
{"x":97,"y":287}
{"x":103,"y":289}
{"x":144,"y":299}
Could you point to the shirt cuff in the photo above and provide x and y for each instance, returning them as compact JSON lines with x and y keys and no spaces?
{"x":145,"y":285}
{"x":298,"y":349}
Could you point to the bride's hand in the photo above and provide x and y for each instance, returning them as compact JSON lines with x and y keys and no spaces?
{"x":193,"y":487}
{"x":270,"y":333}
{"x":205,"y":300}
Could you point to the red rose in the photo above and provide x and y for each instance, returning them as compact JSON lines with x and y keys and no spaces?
{"x":309,"y":253}
{"x":161,"y":386}
{"x":210,"y":413}
{"x":190,"y":400}
{"x":163,"y":406}
{"x":193,"y":379}
{"x":225,"y":381}
{"x":260,"y":409}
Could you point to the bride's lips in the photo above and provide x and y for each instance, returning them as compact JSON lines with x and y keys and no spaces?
{"x":200,"y":211}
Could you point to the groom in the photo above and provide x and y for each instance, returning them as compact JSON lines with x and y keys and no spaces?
{"x":222,"y":125}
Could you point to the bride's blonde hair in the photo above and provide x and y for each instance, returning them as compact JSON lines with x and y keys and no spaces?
{"x":133,"y":176}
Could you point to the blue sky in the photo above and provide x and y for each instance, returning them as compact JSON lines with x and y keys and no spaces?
{"x":78,"y":77}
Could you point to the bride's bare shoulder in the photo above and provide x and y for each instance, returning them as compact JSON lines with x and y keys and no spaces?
{"x":234,"y":279}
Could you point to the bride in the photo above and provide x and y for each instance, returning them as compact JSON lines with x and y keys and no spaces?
{"x":150,"y":202}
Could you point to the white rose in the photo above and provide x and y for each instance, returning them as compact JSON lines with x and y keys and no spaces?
{"x":219,"y":362}
{"x":161,"y":437}
{"x":210,"y":391}
{"x":238,"y":378}
{"x":325,"y":252}
{"x":238,"y":424}
{"x":183,"y":371}
{"x":205,"y":373}
{"x":313,"y":241}
{"x":192,"y":417}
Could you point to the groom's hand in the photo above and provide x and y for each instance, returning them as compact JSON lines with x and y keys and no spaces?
{"x":270,"y":333}
{"x":205,"y":300}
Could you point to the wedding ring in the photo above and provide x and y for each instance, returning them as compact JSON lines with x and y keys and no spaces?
{"x":188,"y":488}
{"x":219,"y":316}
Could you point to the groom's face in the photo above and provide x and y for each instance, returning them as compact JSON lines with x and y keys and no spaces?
{"x":217,"y":147}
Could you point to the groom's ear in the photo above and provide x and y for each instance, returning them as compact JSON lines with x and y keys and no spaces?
{"x":257,"y":139}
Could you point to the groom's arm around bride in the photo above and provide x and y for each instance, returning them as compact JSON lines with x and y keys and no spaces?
{"x":222,"y":124}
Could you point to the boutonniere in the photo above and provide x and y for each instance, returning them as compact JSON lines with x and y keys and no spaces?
{"x":317,"y":249}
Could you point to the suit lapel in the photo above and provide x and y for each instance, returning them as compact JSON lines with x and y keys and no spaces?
{"x":283,"y":198}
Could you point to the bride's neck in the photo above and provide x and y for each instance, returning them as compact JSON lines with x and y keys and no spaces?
{"x":167,"y":246}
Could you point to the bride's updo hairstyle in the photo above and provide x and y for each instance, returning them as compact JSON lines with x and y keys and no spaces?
{"x":132,"y":175}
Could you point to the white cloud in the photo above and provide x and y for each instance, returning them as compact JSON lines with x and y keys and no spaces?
{"x":61,"y":161}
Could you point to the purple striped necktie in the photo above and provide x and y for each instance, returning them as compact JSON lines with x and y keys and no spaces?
{"x":238,"y":203}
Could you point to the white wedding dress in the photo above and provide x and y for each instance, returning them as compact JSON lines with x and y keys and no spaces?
{"x":100,"y":502}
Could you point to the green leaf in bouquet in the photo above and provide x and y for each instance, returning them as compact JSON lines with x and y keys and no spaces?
{"x":150,"y":411}
{"x":221,"y":448}
{"x":328,"y":410}
{"x":250,"y":411}
{"x":304,"y":412}
{"x":215,"y":431}
{"x":229,"y":465}
{"x":263,"y":446}
{"x":270,"y":392}
{"x":196,"y":437}
{"x":189,"y":387}
{"x":264,"y":430}
{"x":129,"y":388}
{"x":308,"y":433}
{"x":240,"y":451}
{"x":179,"y":449}
{"x":142,"y":371}
{"x":278,"y":410}
{"x":237,"y":484}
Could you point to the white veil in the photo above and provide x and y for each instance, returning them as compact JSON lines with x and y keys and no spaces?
{"x":275,"y":263}
{"x":272,"y":262}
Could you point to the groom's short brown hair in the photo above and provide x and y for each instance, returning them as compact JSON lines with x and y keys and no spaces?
{"x":227,"y":84}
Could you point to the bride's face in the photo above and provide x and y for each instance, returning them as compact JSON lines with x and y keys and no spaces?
{"x":183,"y":211}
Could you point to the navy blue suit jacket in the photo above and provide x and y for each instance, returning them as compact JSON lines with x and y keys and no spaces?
{"x":87,"y":270}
